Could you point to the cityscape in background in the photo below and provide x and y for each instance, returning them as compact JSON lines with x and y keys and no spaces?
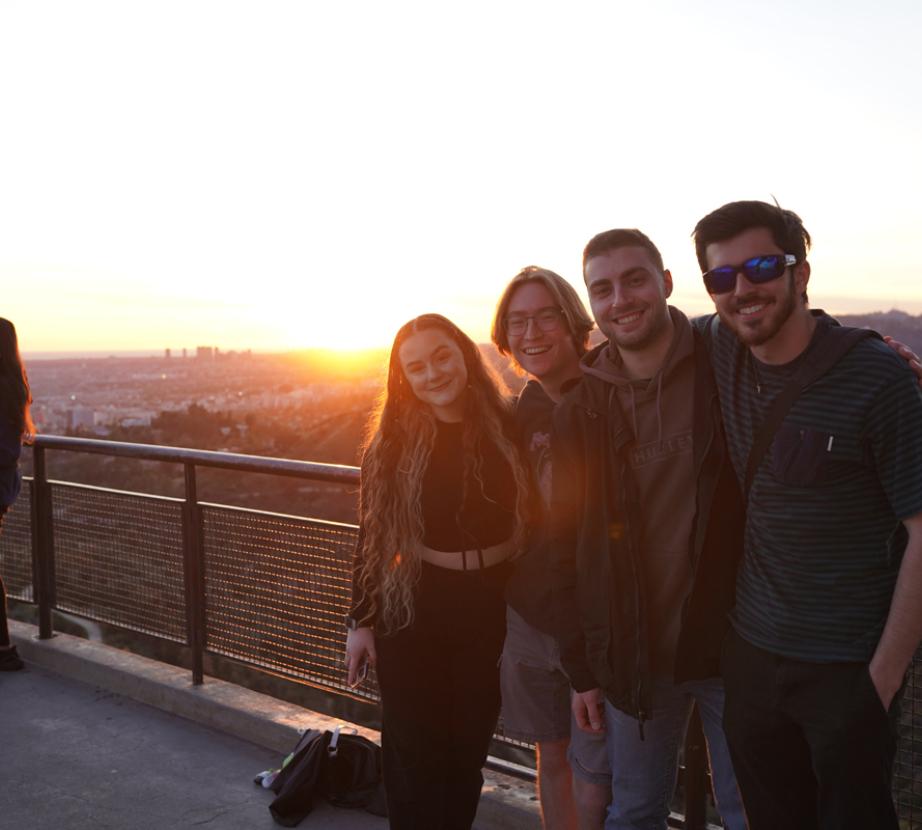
{"x":289,"y":406}
{"x":112,"y":396}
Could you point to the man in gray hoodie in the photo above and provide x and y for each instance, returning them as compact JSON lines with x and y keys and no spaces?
{"x":646,"y":535}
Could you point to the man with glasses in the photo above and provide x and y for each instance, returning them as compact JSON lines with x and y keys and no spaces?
{"x":829,"y":597}
{"x":542,"y":325}
{"x":647,"y":531}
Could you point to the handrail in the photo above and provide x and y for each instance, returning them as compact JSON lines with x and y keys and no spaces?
{"x":193,"y":549}
{"x":334,"y":473}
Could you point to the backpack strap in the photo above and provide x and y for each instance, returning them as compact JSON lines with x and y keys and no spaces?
{"x":828,"y":350}
{"x":714,"y":325}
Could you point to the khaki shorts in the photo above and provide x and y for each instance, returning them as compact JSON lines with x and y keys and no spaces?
{"x":536,"y":699}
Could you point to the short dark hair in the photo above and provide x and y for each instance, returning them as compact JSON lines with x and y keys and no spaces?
{"x":787,"y":228}
{"x":611,"y":240}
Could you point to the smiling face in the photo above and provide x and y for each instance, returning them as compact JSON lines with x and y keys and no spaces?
{"x":548,"y":355}
{"x":434,"y":367}
{"x":759,"y":313}
{"x":628,"y":295}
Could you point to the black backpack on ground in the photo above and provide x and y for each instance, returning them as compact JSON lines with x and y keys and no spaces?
{"x":344,"y":768}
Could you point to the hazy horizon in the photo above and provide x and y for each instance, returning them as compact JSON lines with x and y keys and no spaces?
{"x":176,"y":352}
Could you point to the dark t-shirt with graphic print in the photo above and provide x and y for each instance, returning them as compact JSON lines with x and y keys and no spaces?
{"x":824,"y":540}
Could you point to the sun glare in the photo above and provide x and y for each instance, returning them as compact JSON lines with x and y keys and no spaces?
{"x":347,"y":363}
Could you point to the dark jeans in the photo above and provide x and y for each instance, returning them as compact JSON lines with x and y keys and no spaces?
{"x":811,"y":743}
{"x":439,"y":682}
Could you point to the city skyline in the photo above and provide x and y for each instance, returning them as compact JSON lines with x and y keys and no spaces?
{"x":291,"y":176}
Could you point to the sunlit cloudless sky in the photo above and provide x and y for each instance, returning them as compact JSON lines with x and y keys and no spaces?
{"x":280,"y":175}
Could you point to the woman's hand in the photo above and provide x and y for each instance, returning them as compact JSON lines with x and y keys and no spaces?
{"x":360,"y":651}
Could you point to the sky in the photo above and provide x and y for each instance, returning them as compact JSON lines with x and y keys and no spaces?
{"x":285,"y":175}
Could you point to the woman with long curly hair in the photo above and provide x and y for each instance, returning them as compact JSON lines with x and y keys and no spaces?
{"x":445,"y":504}
{"x":16,"y":428}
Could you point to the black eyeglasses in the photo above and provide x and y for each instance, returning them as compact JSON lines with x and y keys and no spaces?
{"x":757,"y":270}
{"x":547,"y":319}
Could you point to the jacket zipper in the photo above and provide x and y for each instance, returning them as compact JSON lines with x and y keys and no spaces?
{"x":639,"y":689}
{"x":712,"y":417}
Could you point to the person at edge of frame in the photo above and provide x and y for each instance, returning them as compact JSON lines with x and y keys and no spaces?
{"x":646,"y":534}
{"x":446,"y":501}
{"x":829,"y":596}
{"x":543,"y":326}
{"x":16,"y":428}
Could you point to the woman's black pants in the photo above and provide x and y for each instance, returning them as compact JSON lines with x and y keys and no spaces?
{"x":439,"y":682}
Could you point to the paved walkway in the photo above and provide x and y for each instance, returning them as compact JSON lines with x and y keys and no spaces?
{"x":78,"y":757}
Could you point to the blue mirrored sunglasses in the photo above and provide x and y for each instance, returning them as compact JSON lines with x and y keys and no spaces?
{"x":757,"y":270}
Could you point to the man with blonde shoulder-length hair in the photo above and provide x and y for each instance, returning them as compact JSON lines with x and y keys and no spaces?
{"x":542,"y":325}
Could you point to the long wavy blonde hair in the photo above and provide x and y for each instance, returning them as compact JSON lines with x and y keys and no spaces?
{"x":399,"y":440}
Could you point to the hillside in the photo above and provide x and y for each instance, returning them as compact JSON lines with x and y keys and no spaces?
{"x":898,"y":324}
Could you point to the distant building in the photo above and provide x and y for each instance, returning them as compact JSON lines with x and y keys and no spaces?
{"x":167,"y":353}
{"x":81,"y":417}
{"x":183,"y":354}
{"x":137,"y":421}
{"x":204,"y":352}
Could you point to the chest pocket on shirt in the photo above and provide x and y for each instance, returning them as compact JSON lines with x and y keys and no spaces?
{"x":801,"y":455}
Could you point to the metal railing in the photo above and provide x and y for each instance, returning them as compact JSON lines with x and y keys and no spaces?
{"x":266,"y":589}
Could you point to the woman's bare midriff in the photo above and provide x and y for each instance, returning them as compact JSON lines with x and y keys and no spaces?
{"x":457,"y":560}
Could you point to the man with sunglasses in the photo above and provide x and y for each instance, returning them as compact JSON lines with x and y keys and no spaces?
{"x":647,"y":531}
{"x":829,"y":596}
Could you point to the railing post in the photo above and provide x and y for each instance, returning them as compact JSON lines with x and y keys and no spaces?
{"x":194,"y":560}
{"x":42,"y":545}
{"x":695,"y":775}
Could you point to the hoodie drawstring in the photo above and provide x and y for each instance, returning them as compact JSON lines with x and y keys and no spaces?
{"x":659,"y":407}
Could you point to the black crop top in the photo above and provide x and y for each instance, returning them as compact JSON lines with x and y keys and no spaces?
{"x":486,"y":518}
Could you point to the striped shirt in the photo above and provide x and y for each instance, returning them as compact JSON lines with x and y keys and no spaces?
{"x":824,"y":539}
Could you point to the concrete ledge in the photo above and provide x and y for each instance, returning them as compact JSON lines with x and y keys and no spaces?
{"x":507,"y":803}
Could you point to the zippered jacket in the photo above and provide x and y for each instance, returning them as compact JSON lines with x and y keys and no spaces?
{"x":600,"y":600}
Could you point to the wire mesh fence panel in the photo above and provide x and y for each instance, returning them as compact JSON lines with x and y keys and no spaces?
{"x":907,"y":777}
{"x":277,"y":591}
{"x":16,"y":547}
{"x":119,"y":558}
